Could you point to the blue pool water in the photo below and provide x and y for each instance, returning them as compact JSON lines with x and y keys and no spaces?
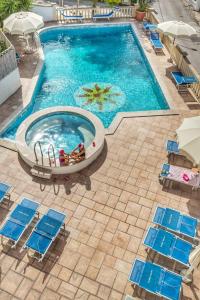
{"x":62,"y":130}
{"x":100,"y":68}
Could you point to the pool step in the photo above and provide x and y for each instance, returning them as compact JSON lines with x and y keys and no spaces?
{"x":41,"y":172}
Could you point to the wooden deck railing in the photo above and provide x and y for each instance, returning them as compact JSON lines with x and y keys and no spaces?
{"x":88,"y":12}
{"x":7,"y":58}
{"x":179,"y":58}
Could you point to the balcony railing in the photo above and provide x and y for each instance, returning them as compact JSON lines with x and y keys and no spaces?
{"x":7,"y":57}
{"x":88,"y":12}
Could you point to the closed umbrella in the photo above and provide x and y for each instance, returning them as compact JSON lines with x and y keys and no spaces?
{"x":23,"y":23}
{"x":176,"y":29}
{"x":194,"y":260}
{"x":189,"y":138}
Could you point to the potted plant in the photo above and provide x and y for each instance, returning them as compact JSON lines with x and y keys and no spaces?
{"x":141,"y":10}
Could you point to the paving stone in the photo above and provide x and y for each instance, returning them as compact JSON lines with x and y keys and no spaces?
{"x":89,"y":285}
{"x":106,"y":276}
{"x":50,"y":295}
{"x":11,"y":281}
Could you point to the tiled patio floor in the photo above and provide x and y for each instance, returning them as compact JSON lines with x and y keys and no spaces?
{"x":109,"y":206}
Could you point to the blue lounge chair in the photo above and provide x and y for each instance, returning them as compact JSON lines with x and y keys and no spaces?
{"x":183,"y":82}
{"x":106,"y":16}
{"x":172,"y":147}
{"x":4,"y":191}
{"x":168,"y":245}
{"x":44,"y":233}
{"x":156,"y":280}
{"x":18,"y":220}
{"x":72,"y":17}
{"x":147,"y":26}
{"x":175,"y":221}
{"x":155,"y":41}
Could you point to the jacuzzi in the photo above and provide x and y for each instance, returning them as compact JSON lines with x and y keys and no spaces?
{"x":42,"y":135}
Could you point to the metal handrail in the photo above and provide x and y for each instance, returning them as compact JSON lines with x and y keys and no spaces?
{"x":54,"y":157}
{"x":36,"y":157}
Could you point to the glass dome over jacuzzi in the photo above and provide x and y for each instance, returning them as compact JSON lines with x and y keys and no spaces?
{"x":42,"y":135}
{"x":62,"y":131}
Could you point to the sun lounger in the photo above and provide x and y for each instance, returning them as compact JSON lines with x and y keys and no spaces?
{"x":156,"y":280}
{"x":173,"y":220}
{"x":72,"y":17}
{"x":181,"y":175}
{"x":168,"y":245}
{"x":18,"y":220}
{"x":147,"y":26}
{"x":172,"y":147}
{"x":183,"y":82}
{"x":45,"y":232}
{"x":155,"y":41}
{"x":4,"y":191}
{"x":105,"y":16}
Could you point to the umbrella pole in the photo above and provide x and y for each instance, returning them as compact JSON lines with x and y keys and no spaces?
{"x":28,"y":48}
{"x":174,"y":40}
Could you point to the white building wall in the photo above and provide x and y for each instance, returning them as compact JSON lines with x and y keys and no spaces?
{"x":9,"y":85}
{"x":48,"y":12}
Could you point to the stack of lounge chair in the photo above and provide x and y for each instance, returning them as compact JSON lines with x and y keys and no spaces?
{"x":20,"y":218}
{"x":156,"y":42}
{"x":4,"y":191}
{"x":154,"y":278}
{"x":182,"y":81}
{"x":148,"y":26}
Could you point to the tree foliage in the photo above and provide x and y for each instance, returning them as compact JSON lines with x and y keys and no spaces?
{"x":113,"y":2}
{"x":8,"y":7}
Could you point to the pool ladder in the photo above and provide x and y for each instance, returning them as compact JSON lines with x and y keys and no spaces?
{"x":40,"y":170}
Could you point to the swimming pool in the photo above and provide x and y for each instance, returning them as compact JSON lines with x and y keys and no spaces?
{"x":101,"y":68}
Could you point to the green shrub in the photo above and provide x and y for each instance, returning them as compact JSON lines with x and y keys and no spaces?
{"x":3,"y":46}
{"x":143,"y":5}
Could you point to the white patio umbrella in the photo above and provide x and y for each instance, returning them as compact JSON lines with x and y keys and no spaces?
{"x":23,"y":23}
{"x":189,"y":138}
{"x":176,"y":29}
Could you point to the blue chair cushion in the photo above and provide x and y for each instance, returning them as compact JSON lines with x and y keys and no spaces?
{"x":181,"y":79}
{"x":181,"y":251}
{"x":4,"y":188}
{"x":172,"y":147}
{"x":159,"y":215}
{"x":56,"y":215}
{"x":38,"y":242}
{"x":188,"y":226}
{"x":171,"y":285}
{"x":157,"y":43}
{"x":103,"y":15}
{"x":150,"y":277}
{"x":12,"y":230}
{"x":49,"y":226}
{"x":22,"y":214}
{"x":165,"y":170}
{"x":29,"y":204}
{"x":136,"y":272}
{"x":171,"y":219}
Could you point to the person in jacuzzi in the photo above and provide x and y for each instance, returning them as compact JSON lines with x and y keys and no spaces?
{"x":63,"y":157}
{"x":78,"y":154}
